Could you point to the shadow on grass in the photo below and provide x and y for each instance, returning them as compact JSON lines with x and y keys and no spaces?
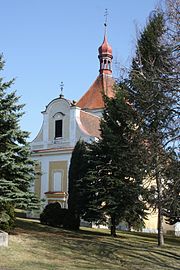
{"x":89,"y":249}
{"x":169,"y":239}
{"x":36,"y":226}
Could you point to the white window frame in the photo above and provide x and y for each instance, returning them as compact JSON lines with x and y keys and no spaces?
{"x":57,"y":173}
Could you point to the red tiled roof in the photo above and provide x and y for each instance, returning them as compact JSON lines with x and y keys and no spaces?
{"x":90,"y":124}
{"x":93,"y":99}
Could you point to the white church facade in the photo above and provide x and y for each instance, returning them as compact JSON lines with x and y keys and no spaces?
{"x":64,"y":123}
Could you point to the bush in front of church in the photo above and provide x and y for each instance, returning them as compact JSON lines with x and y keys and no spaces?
{"x":71,"y":222}
{"x":53,"y":215}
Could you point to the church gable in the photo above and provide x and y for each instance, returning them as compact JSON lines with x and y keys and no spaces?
{"x":56,"y":125}
{"x":58,"y":120}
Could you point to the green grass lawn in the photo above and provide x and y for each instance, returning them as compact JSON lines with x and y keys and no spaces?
{"x":35,"y":247}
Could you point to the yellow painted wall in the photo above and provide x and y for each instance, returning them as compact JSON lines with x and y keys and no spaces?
{"x":168,"y":228}
{"x":151,"y":222}
{"x":37,"y":183}
{"x":58,"y":166}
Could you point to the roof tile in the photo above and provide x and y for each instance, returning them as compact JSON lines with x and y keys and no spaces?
{"x":93,"y":98}
{"x":90,"y":123}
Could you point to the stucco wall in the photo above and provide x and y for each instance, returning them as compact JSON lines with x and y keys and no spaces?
{"x":58,"y":166}
{"x":58,"y":110}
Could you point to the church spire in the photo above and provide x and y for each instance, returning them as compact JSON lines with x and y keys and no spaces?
{"x":105,"y":53}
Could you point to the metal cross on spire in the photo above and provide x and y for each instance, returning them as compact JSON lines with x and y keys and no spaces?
{"x":105,"y":22}
{"x":61,"y":88}
{"x":105,"y":15}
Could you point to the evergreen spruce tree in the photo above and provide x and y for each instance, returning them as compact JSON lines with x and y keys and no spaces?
{"x":114,"y":180}
{"x":154,"y":95}
{"x":89,"y":185}
{"x":16,"y":166}
{"x":77,"y":170}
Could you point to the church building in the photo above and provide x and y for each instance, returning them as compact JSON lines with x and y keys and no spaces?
{"x":64,"y":123}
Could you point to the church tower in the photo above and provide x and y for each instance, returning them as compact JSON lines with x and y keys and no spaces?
{"x":92,"y":101}
{"x":105,"y":56}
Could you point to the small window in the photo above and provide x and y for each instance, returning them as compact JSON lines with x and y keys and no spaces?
{"x":57,"y":181}
{"x":58,"y":128}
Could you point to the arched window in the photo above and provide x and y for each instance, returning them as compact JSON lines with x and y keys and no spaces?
{"x":58,"y":128}
{"x":101,"y":64}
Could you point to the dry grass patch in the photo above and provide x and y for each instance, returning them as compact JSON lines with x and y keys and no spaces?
{"x":35,"y":247}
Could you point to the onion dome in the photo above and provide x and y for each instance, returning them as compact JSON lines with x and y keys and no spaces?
{"x":105,"y":48}
{"x":105,"y":57}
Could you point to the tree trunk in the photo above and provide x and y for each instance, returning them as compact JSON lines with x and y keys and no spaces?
{"x":160,"y":215}
{"x":129,"y":227}
{"x":113,"y":226}
{"x":160,"y":227}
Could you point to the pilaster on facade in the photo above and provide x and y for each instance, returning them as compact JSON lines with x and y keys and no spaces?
{"x":45,"y":130}
{"x":74,"y":115}
{"x":44,"y":177}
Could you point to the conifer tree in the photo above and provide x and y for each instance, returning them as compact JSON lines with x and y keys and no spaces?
{"x":114,"y":180}
{"x":16,"y":166}
{"x":77,"y":170}
{"x":154,"y":95}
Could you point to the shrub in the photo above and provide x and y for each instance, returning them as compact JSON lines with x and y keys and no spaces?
{"x":7,"y":217}
{"x":71,"y":222}
{"x":53,"y":215}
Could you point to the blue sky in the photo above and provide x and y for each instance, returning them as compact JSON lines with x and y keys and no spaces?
{"x":45,"y":42}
